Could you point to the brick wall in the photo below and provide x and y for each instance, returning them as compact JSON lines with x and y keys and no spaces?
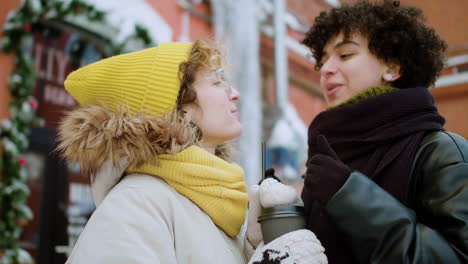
{"x":6,"y":61}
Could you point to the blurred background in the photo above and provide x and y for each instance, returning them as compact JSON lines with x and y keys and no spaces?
{"x":280,"y":93}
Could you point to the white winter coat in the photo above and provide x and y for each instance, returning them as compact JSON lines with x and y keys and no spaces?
{"x":139,"y":218}
{"x":144,"y":220}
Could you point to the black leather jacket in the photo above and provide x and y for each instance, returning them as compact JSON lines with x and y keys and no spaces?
{"x":433,"y":229}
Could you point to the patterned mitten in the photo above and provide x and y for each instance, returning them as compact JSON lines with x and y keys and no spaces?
{"x":269,"y":193}
{"x":297,"y":247}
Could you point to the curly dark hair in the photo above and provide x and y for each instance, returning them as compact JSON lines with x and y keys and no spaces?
{"x":396,"y":34}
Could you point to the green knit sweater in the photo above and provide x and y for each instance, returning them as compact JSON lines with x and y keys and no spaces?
{"x":373,"y":91}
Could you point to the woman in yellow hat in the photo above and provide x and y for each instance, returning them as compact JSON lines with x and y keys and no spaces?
{"x":153,"y":131}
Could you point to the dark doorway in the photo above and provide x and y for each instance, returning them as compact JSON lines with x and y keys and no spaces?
{"x":48,"y":184}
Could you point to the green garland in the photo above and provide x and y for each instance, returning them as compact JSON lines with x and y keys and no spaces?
{"x":14,"y":132}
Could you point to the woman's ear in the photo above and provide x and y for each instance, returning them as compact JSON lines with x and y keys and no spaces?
{"x":392,"y":73}
{"x":188,"y":112}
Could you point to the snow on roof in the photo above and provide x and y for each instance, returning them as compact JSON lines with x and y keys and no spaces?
{"x":122,"y":16}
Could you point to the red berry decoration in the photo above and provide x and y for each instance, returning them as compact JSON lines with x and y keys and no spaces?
{"x":22,"y":162}
{"x":33,"y":104}
{"x":27,"y":28}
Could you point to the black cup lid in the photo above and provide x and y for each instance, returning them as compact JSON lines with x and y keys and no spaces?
{"x":283,"y":210}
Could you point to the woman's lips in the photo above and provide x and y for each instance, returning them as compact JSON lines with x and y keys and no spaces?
{"x":332,"y":89}
{"x":235,"y":113}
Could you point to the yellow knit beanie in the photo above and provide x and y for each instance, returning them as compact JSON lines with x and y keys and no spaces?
{"x":145,"y":80}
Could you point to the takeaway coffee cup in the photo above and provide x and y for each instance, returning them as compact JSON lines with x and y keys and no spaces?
{"x":279,"y":220}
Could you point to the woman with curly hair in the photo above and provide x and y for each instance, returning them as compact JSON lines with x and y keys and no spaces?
{"x":153,"y":131}
{"x":385,"y":183}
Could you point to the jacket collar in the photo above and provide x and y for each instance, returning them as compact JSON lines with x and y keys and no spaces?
{"x":105,"y":143}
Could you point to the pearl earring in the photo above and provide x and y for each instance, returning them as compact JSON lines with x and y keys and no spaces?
{"x":388,"y":77}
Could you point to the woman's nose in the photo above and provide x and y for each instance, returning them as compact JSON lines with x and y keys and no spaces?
{"x":328,"y":68}
{"x":234,"y":95}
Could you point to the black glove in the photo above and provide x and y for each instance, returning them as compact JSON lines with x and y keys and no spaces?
{"x":325,"y":174}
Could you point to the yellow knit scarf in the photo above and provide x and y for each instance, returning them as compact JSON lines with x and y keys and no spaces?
{"x":216,"y":186}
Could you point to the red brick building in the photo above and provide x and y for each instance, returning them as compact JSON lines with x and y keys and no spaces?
{"x":449,"y":19}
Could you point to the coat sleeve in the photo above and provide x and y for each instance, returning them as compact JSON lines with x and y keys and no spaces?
{"x":128,"y":227}
{"x":248,"y":248}
{"x":435,"y":231}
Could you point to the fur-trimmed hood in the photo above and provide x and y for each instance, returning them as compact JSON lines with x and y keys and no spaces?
{"x":94,"y":135}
